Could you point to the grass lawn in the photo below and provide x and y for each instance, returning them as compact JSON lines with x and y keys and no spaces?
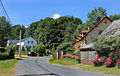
{"x":65,"y":61}
{"x":75,"y":64}
{"x":23,"y":55}
{"x":7,"y":67}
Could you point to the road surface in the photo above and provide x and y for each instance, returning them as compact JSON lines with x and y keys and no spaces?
{"x":40,"y":67}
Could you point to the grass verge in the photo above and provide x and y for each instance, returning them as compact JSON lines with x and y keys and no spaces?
{"x":75,"y":64}
{"x":65,"y":61}
{"x":7,"y":67}
{"x":101,"y":69}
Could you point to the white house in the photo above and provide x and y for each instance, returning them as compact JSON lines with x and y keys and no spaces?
{"x":26,"y":42}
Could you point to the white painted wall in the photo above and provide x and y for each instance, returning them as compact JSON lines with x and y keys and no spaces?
{"x":25,"y":43}
{"x":30,"y":39}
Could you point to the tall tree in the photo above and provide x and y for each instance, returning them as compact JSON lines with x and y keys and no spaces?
{"x":94,"y":14}
{"x":5,"y":31}
{"x":31,"y":29}
{"x":115,"y":17}
{"x":55,"y":31}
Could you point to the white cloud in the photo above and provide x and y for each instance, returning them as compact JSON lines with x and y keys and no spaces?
{"x":26,"y":26}
{"x":55,"y":16}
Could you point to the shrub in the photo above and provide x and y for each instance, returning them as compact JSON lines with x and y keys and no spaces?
{"x":4,"y":56}
{"x":11,"y":51}
{"x":28,"y":49}
{"x":40,"y":49}
{"x":23,"y":49}
{"x":98,"y":61}
{"x":70,"y":56}
{"x":106,"y":45}
{"x":110,"y":62}
{"x":118,"y":63}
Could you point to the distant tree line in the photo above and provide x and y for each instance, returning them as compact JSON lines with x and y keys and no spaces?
{"x":52,"y":32}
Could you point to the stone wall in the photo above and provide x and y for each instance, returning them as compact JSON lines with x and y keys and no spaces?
{"x":86,"y":57}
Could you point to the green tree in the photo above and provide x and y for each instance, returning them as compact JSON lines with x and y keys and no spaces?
{"x":80,"y":28}
{"x":40,"y":48}
{"x":5,"y":31}
{"x":66,"y":47}
{"x":28,"y":49}
{"x":106,"y":45}
{"x":94,"y":14}
{"x":11,"y":51}
{"x":16,"y":32}
{"x":23,"y":49}
{"x":115,"y":17}
{"x":31,"y":29}
{"x":55,"y":31}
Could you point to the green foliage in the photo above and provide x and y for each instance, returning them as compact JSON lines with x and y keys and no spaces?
{"x":4,"y":56}
{"x":115,"y":17}
{"x":23,"y":49}
{"x":54,"y":31}
{"x":28,"y":49}
{"x":40,"y":48}
{"x":53,"y":49}
{"x":78,"y":30}
{"x":64,"y":61}
{"x":16,"y":47}
{"x":114,"y":55}
{"x":11,"y":51}
{"x":4,"y":28}
{"x":65,"y":47}
{"x":15,"y":31}
{"x":106,"y":45}
{"x":94,"y":14}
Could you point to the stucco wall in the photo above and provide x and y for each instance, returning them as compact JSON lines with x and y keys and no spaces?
{"x":76,"y":46}
{"x":95,"y":31}
{"x":80,"y":43}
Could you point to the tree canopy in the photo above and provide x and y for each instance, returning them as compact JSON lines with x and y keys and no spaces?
{"x":106,"y":45}
{"x":5,"y":31}
{"x":115,"y":17}
{"x":94,"y":14}
{"x":54,"y":31}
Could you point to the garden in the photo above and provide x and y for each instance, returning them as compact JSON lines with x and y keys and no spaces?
{"x":107,"y":61}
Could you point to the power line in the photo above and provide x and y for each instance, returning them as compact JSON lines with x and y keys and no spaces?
{"x":4,"y":10}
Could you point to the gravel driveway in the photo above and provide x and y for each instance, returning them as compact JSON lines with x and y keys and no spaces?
{"x":40,"y":67}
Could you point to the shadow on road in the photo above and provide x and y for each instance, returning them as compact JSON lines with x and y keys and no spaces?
{"x":47,"y":74}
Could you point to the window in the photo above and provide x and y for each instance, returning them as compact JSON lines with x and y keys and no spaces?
{"x":31,"y":41}
{"x":105,"y":22}
{"x":100,"y":31}
{"x":30,"y":46}
{"x":33,"y":46}
{"x":26,"y":46}
{"x":28,"y":41}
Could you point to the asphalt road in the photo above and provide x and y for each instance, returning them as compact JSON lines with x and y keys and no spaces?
{"x":40,"y":67}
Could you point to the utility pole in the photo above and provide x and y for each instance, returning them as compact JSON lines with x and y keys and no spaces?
{"x":20,"y":45}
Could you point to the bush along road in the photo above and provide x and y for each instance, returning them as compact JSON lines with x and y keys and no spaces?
{"x":41,"y":67}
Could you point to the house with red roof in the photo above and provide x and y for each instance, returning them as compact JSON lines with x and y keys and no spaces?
{"x":84,"y":41}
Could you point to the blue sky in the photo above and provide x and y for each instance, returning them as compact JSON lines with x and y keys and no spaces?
{"x":27,"y":11}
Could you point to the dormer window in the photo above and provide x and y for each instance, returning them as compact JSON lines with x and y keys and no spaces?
{"x":28,"y":41}
{"x":31,"y":41}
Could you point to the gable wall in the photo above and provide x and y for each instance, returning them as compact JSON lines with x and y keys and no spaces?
{"x":95,"y":33}
{"x":30,"y":44}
